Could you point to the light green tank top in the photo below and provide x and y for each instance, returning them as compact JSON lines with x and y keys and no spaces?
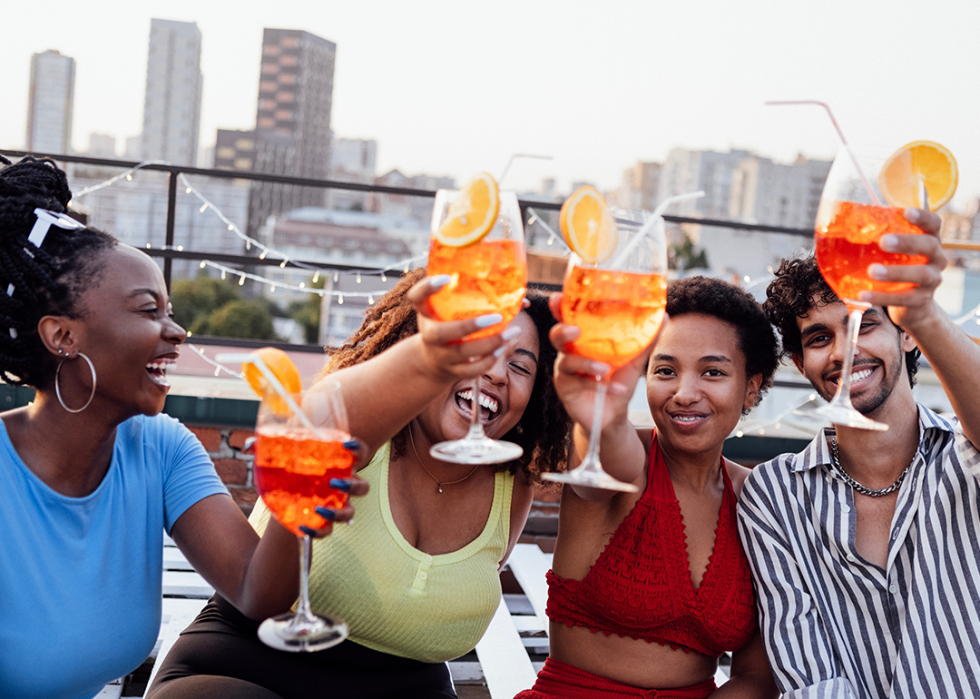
{"x":395,"y":598}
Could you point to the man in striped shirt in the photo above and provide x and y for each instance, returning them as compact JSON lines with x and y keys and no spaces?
{"x":865,"y":546}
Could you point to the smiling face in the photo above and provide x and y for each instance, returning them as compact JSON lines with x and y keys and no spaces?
{"x":879,"y":364}
{"x":126,"y":329}
{"x":697,"y":385}
{"x":504,"y":392}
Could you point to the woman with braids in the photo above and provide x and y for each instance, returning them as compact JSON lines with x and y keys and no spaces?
{"x":648,"y":589}
{"x":90,"y":472}
{"x":416,"y":576}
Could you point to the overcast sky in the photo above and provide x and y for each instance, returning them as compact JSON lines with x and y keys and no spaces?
{"x":452,"y":87}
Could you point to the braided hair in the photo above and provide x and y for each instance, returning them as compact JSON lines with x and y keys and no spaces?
{"x":544,"y":427}
{"x":47,"y":280}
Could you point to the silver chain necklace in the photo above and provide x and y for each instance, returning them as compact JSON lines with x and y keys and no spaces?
{"x":864,"y":490}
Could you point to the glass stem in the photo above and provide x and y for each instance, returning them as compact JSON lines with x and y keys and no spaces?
{"x":591,"y":460}
{"x":303,"y":611}
{"x":476,"y":427}
{"x":854,"y":317}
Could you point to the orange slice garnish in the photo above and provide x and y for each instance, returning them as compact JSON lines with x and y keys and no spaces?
{"x":588,"y":226}
{"x":282,"y":368}
{"x":472,"y":213}
{"x":920,"y":161}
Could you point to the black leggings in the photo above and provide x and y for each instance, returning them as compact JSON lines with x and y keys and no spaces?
{"x":219,"y":656}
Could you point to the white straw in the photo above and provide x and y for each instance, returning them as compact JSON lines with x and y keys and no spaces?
{"x":655,"y":218}
{"x":273,"y":381}
{"x":847,"y":147}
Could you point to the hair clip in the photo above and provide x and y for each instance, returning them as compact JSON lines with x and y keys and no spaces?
{"x":45,"y":219}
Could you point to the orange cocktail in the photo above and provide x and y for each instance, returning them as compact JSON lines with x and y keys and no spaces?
{"x":617,"y":313}
{"x":848,"y":242}
{"x":293,"y":468}
{"x":489,"y":277}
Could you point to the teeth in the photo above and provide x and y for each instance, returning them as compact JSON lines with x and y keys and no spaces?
{"x":485,"y":400}
{"x":858,"y":375}
{"x":161,"y":366}
{"x":684,"y":418}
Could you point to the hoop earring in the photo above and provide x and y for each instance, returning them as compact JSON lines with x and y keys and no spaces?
{"x":57,"y":387}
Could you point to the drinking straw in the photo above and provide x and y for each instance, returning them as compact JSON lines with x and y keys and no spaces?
{"x":271,"y":378}
{"x":847,"y":147}
{"x":655,"y":218}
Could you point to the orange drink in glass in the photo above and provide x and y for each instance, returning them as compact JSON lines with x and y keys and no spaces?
{"x":293,"y":467}
{"x":490,"y":277}
{"x":848,"y":242}
{"x":488,"y":274}
{"x":617,"y":313}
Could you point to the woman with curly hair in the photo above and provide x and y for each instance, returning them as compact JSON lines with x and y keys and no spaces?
{"x":91,"y":474}
{"x":648,"y":589}
{"x":417,"y":576}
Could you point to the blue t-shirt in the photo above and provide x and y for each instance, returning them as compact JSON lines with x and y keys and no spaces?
{"x":80,"y":578}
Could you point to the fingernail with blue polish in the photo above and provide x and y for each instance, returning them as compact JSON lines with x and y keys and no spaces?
{"x":350,"y":521}
{"x":439,"y":281}
{"x":510,"y":333}
{"x":488,"y":320}
{"x":499,"y":352}
{"x":877,"y":271}
{"x":342,"y":484}
{"x":306,"y":530}
{"x":351,"y":445}
{"x":327,"y":513}
{"x":912,"y":215}
{"x":888,"y":242}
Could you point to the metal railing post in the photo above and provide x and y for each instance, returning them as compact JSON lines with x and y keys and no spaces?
{"x":171,"y":215}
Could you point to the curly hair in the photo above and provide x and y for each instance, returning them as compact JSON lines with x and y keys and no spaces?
{"x":544,"y":427}
{"x":797,"y":288}
{"x":735,"y":306}
{"x":48,"y":280}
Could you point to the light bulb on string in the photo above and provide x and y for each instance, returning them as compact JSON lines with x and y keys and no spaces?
{"x":551,"y":239}
{"x":302,"y":285}
{"x":204,"y":207}
{"x":340,"y":299}
{"x":358,"y":278}
{"x":248,"y":244}
{"x":204,"y":263}
{"x":224,"y":274}
{"x":336,"y":277}
{"x":263,"y":254}
{"x":180,"y":248}
{"x":282,"y":265}
{"x":383,"y":277}
{"x":272,"y":289}
{"x":129,"y":176}
{"x":241,"y":280}
{"x":187,"y":191}
{"x":316,"y":277}
{"x":370,"y":300}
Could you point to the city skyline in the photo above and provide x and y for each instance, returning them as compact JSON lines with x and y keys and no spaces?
{"x":445,"y":94}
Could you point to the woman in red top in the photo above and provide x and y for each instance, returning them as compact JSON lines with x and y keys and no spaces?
{"x":648,"y":589}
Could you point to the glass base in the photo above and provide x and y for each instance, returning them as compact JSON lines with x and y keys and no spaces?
{"x":842,"y":415}
{"x":590,"y":478}
{"x":476,"y":451}
{"x":289,"y":632}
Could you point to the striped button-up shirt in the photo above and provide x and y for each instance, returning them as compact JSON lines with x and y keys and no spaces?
{"x":836,"y":625}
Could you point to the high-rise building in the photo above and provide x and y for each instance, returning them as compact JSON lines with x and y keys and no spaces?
{"x":639,"y":188}
{"x":234,"y":150}
{"x":292,"y":122}
{"x":172,"y":107}
{"x":352,"y":160}
{"x":775,"y":194}
{"x":692,"y":170}
{"x":50,"y":103}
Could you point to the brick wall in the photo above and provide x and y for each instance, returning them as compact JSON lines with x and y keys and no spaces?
{"x":225,"y":445}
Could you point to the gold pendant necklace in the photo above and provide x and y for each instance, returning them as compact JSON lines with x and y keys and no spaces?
{"x":439,"y":483}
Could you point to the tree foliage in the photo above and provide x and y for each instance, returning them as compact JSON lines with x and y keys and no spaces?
{"x":208,"y":306}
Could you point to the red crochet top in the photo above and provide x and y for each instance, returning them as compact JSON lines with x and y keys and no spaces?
{"x":641,"y":585}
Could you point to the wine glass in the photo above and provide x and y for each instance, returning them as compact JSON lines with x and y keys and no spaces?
{"x":850,"y":221}
{"x":618,"y":306}
{"x":489,"y":276}
{"x":298,"y":449}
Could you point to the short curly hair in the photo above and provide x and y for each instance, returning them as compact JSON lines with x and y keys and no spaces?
{"x":48,"y":280}
{"x":797,"y":288}
{"x":544,"y":428}
{"x":735,"y":306}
